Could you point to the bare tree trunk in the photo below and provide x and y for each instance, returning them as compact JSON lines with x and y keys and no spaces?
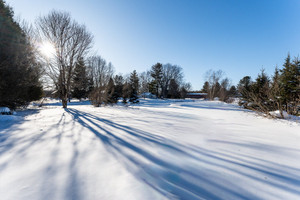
{"x":65,"y":102}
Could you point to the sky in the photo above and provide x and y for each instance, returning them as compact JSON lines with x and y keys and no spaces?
{"x":240,"y":37}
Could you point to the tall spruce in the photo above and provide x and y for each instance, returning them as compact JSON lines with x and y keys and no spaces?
{"x":289,"y":79}
{"x":157,"y":74}
{"x":134,"y":86}
{"x":119,"y":82}
{"x":80,"y":81}
{"x":19,"y":69}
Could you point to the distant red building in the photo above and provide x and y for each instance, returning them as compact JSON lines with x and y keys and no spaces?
{"x":196,"y":95}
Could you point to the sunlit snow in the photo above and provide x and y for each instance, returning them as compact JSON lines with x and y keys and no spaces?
{"x":155,"y":150}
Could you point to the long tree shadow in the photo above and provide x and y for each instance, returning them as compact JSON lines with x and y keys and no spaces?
{"x":13,"y":124}
{"x":176,"y":179}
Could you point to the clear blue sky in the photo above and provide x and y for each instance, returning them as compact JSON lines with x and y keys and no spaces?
{"x":237,"y":36}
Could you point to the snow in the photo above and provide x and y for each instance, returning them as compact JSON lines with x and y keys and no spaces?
{"x":4,"y":110}
{"x":158,"y":149}
{"x":277,"y":114}
{"x":285,"y":115}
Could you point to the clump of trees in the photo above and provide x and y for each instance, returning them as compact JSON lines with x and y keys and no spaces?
{"x":279,"y":92}
{"x":218,"y":86}
{"x":69,"y":67}
{"x":19,"y":69}
{"x":165,"y":81}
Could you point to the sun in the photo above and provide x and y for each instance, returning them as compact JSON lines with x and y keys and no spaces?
{"x":47,"y":49}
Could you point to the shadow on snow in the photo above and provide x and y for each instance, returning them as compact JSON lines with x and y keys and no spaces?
{"x":184,"y":181}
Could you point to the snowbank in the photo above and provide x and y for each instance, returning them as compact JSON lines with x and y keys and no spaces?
{"x":5,"y":118}
{"x":285,"y":116}
{"x":5,"y":111}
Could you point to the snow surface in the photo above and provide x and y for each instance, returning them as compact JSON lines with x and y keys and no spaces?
{"x":4,"y":109}
{"x":155,"y":150}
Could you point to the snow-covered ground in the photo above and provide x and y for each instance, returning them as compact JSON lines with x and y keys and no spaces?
{"x":154,"y":150}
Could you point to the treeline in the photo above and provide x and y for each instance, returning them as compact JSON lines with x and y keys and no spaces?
{"x":94,"y":79}
{"x":219,"y":87}
{"x":278,"y":92}
{"x":27,"y":64}
{"x":74,"y":73}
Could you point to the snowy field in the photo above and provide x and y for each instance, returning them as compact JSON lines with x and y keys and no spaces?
{"x":154,"y":150}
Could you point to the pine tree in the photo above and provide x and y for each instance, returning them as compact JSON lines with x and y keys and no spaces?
{"x":19,"y":70}
{"x":217,"y":90}
{"x":289,"y":79}
{"x":153,"y":87}
{"x":174,"y":90}
{"x":156,"y":73}
{"x":244,"y":87}
{"x":126,"y":90}
{"x":232,"y":91}
{"x":119,"y":82}
{"x":134,"y":86}
{"x":111,"y":96}
{"x":205,"y":88}
{"x":80,"y":81}
{"x":275,"y":92}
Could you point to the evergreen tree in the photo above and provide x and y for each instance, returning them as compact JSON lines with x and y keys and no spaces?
{"x":111,"y":96}
{"x":153,"y":87}
{"x":275,"y":92}
{"x":157,"y":74}
{"x":232,"y":91}
{"x":19,"y":69}
{"x":126,"y":91}
{"x":80,"y":81}
{"x":134,"y":86}
{"x":262,"y":86}
{"x":205,"y":88}
{"x":174,"y":90}
{"x":217,"y":90}
{"x":244,"y":87}
{"x":289,"y":79}
{"x":119,"y":82}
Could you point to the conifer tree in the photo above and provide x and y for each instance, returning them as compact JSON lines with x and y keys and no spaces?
{"x":244,"y":87}
{"x":19,"y":70}
{"x":119,"y":82}
{"x":205,"y":88}
{"x":289,"y":79}
{"x":134,"y":86}
{"x":232,"y":91}
{"x":174,"y":90}
{"x":275,"y":92}
{"x":157,"y":74}
{"x":111,"y":96}
{"x":126,"y":92}
{"x":80,"y":81}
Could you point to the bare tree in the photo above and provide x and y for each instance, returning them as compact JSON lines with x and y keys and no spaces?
{"x":101,"y":73}
{"x":224,"y":91}
{"x":213,"y":78}
{"x":145,"y":79}
{"x":71,"y":42}
{"x":170,"y":72}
